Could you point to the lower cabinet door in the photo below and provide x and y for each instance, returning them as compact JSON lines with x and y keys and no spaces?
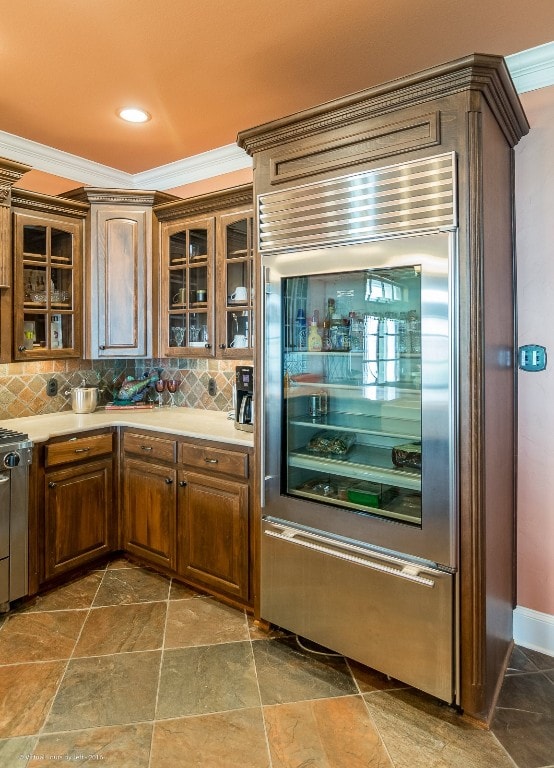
{"x":149,"y":511}
{"x":213,"y":533}
{"x":78,"y":511}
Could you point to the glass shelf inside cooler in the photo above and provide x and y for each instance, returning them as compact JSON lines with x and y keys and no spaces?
{"x":397,"y":509}
{"x":362,"y":462}
{"x":359,"y":422}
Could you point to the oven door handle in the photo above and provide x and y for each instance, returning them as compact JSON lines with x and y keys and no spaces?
{"x":408,"y":571}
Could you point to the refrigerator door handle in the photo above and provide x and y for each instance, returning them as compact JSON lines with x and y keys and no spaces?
{"x":397,"y":567}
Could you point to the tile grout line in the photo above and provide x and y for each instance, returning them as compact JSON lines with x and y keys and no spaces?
{"x":153,"y":721}
{"x":370,"y":716}
{"x":270,"y":763}
{"x":41,"y":731}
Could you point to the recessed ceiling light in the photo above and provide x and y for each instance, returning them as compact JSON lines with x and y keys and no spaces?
{"x":134,"y":115}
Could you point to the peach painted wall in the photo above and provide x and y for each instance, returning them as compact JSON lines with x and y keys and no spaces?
{"x":535,"y":259}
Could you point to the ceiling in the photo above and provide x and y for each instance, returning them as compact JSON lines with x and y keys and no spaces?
{"x":206,"y":69}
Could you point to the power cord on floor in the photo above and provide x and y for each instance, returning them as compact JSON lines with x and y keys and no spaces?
{"x":316,"y":653}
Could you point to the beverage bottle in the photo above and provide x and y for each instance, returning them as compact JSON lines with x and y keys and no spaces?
{"x":300,"y":327}
{"x":326,"y":340}
{"x":315,"y":342}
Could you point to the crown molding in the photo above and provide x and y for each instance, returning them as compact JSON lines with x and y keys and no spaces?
{"x":196,"y":168}
{"x":532,"y":69}
{"x":59,"y":163}
{"x":88,"y":173}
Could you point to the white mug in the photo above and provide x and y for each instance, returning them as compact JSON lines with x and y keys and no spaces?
{"x":240,"y":294}
{"x":239,"y":341}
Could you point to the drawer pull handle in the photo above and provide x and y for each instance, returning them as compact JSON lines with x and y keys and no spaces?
{"x":51,"y":484}
{"x":211,"y":461}
{"x":81,"y":450}
{"x":145,"y":447}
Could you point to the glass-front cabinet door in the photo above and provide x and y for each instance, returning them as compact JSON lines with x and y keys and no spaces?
{"x":352,"y":363}
{"x":236,"y":286}
{"x":46,"y":287}
{"x":187,"y":300}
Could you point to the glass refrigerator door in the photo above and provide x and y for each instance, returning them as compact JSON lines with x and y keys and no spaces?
{"x":352,"y":395}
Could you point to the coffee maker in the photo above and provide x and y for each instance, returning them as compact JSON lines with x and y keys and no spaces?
{"x":244,"y":407}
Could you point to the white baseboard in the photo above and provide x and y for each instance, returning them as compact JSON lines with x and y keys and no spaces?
{"x":534,"y":630}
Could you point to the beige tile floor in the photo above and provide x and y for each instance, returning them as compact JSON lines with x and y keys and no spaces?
{"x":124,"y":668}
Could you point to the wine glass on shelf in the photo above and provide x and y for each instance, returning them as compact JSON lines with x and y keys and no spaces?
{"x":172,"y":387}
{"x":160,"y":386}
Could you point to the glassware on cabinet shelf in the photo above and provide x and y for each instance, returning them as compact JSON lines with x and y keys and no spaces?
{"x":178,"y":336}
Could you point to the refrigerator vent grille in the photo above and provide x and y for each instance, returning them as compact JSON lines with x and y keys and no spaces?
{"x":417,"y":196}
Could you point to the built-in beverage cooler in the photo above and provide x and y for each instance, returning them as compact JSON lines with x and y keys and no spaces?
{"x":359,"y":544}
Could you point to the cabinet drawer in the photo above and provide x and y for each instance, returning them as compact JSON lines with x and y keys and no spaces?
{"x":151,"y":447}
{"x":215,"y":459}
{"x":77,"y":449}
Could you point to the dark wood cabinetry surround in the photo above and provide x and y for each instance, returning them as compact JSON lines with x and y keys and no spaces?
{"x":470,"y":108}
{"x":181,"y":505}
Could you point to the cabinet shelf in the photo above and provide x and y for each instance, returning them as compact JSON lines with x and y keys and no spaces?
{"x":362,"y":463}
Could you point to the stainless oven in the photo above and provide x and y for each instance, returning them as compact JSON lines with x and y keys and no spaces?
{"x":15,"y":458}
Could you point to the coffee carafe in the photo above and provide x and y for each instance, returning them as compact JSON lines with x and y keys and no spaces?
{"x":244,"y":410}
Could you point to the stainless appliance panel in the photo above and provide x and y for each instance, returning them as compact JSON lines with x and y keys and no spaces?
{"x":19,"y":523}
{"x":15,"y":457}
{"x":4,"y":515}
{"x":415,"y":196}
{"x":435,"y":539}
{"x":390,"y":613}
{"x":4,"y":580}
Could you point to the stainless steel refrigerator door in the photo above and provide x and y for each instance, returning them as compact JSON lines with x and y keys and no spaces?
{"x":435,"y":538}
{"x":388,"y":613}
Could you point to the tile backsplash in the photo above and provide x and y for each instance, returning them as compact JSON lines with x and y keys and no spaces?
{"x":23,"y":385}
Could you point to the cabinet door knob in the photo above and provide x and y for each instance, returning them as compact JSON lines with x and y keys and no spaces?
{"x":168,"y":481}
{"x":51,"y":484}
{"x":21,"y":348}
{"x":102,"y":346}
{"x":223,"y":346}
{"x":182,"y":483}
{"x":208,"y":346}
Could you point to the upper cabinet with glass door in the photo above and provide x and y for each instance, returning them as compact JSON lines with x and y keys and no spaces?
{"x":47,"y":281}
{"x":186,"y":301}
{"x":206,"y":276}
{"x":236,"y":285}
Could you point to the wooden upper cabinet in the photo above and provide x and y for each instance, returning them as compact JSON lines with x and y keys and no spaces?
{"x":206,"y":248}
{"x":48,"y":251}
{"x":186,"y":288}
{"x":10,"y":173}
{"x":235,"y":284}
{"x":120,"y":310}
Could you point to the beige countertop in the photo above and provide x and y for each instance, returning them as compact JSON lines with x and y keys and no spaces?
{"x":188,"y":422}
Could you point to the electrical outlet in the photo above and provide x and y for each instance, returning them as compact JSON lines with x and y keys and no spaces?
{"x":532,"y":358}
{"x":212,"y":388}
{"x":51,"y":387}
